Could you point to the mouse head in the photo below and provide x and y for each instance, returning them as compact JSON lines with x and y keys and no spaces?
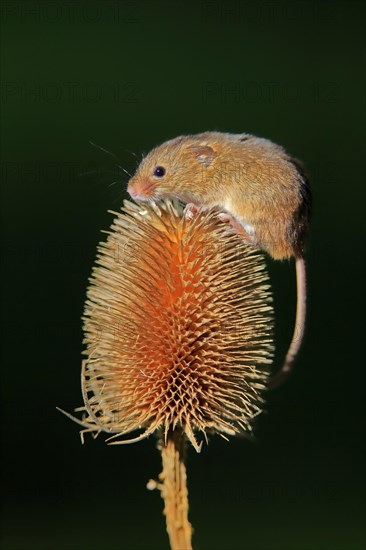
{"x":175,"y":169}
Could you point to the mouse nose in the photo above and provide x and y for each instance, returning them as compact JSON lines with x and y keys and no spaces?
{"x":132,"y":188}
{"x":132,"y":192}
{"x":140,"y":189}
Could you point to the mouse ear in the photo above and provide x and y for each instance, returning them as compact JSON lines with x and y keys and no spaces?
{"x":203,"y":153}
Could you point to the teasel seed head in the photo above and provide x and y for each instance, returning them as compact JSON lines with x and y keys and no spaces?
{"x":178,"y":327}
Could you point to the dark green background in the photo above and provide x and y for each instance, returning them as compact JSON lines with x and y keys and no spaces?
{"x":128,"y":75}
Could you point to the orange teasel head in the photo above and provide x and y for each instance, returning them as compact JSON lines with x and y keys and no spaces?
{"x":178,"y":327}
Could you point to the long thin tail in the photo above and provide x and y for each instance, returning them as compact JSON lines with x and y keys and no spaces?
{"x":298,"y":334}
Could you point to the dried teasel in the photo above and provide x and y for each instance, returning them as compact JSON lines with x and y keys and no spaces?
{"x":178,"y":334}
{"x":177,"y":326}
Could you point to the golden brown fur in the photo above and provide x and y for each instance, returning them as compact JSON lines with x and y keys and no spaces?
{"x":250,"y":178}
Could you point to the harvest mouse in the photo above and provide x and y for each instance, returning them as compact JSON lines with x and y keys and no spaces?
{"x":258,"y":188}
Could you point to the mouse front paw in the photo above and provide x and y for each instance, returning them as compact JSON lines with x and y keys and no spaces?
{"x":191,"y":210}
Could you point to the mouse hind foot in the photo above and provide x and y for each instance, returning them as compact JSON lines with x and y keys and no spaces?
{"x":237,"y":228}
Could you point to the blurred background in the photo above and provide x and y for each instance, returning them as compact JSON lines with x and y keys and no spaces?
{"x":126,"y":76}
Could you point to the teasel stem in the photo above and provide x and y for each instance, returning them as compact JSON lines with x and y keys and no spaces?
{"x":173,"y":489}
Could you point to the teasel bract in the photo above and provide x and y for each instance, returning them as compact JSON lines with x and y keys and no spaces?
{"x":178,"y":334}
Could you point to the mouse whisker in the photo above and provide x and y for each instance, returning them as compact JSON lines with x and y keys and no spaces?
{"x":124,"y":170}
{"x":103,"y":149}
{"x":114,"y":183}
{"x":131,"y":153}
{"x":112,"y":155}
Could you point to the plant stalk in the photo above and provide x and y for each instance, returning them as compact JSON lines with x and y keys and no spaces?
{"x":173,"y":489}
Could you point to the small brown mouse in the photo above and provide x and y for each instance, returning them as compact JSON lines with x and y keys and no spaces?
{"x":262,"y":192}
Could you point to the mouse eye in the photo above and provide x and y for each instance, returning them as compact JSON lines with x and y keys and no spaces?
{"x":159,"y":172}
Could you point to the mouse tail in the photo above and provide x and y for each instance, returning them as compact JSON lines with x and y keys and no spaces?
{"x":298,"y":335}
